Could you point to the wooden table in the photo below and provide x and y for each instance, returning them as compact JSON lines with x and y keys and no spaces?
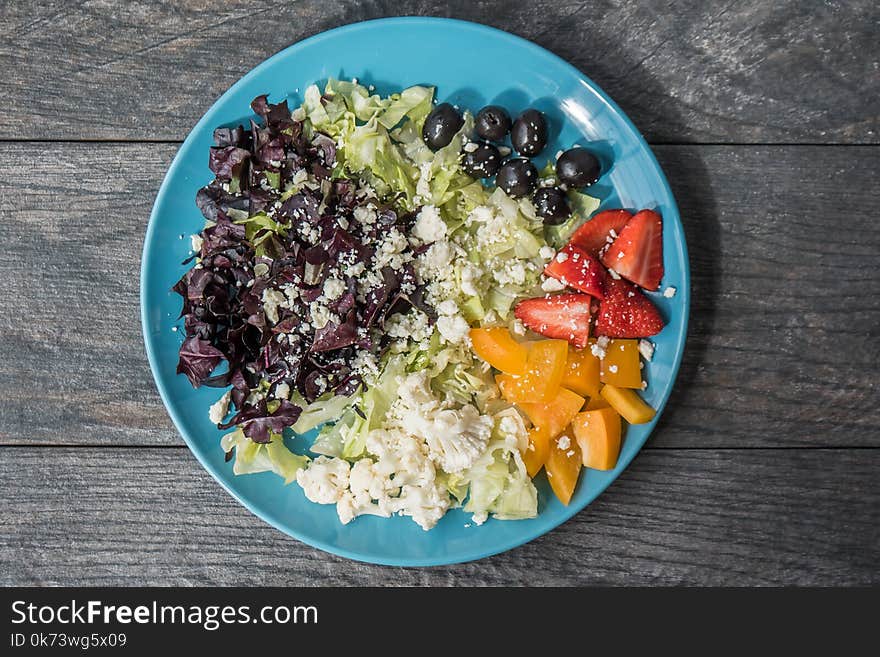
{"x":765,"y":467}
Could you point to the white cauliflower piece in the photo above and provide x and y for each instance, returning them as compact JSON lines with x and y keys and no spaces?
{"x":325,"y":480}
{"x":457,"y":438}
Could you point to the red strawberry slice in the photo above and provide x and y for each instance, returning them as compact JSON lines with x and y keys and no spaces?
{"x":637,"y":253}
{"x":564,"y":316}
{"x":626,"y":313}
{"x":597,"y":233}
{"x":576,"y":268}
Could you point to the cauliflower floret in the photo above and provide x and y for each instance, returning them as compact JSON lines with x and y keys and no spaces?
{"x":457,"y":438}
{"x":370,"y":491}
{"x":425,"y":504}
{"x":454,"y":438}
{"x":325,"y":480}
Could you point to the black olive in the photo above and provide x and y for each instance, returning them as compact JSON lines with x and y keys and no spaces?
{"x":577,"y":167}
{"x":529,"y":133}
{"x":441,"y":125}
{"x":492,"y":123}
{"x":480,"y":160}
{"x":551,"y":204}
{"x":517,"y":177}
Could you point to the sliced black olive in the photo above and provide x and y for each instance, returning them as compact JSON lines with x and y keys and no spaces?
{"x":492,"y":123}
{"x":517,"y":177}
{"x":480,"y":160}
{"x":529,"y":133}
{"x":577,"y":167}
{"x":551,"y":204}
{"x":441,"y":125}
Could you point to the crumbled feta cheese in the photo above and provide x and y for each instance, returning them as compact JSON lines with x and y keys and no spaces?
{"x":612,"y":369}
{"x":563,"y":443}
{"x":561,"y":257}
{"x":365,"y":214}
{"x":546,"y":252}
{"x":196,"y":241}
{"x":447,"y":307}
{"x":518,"y":327}
{"x":320,"y":315}
{"x":282,"y":391}
{"x":614,"y":274}
{"x":470,"y":275}
{"x":272,"y":298}
{"x":504,"y":151}
{"x":470,"y":147}
{"x":423,"y":184}
{"x":512,"y":273}
{"x":333,"y":288}
{"x":669,"y":292}
{"x":261,"y":269}
{"x":220,"y":408}
{"x":453,"y":328}
{"x":429,"y":226}
{"x":646,"y":348}
{"x":598,"y":349}
{"x":552,"y":285}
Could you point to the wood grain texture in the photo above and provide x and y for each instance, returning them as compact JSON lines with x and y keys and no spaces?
{"x":684,"y":70}
{"x":745,"y":517}
{"x":785,"y":323}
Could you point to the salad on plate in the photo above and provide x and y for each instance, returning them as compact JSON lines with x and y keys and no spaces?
{"x":401,"y":276}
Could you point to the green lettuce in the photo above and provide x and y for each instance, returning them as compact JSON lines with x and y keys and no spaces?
{"x":274,"y":456}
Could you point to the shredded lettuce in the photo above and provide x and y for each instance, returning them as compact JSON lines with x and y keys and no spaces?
{"x":274,"y":456}
{"x":327,"y":408}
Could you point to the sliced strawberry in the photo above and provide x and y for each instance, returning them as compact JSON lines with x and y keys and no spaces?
{"x":626,"y":313}
{"x":637,"y":253}
{"x":564,"y":316}
{"x":597,"y":233}
{"x":576,"y":268}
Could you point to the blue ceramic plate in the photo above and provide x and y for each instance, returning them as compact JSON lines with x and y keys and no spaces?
{"x":471,"y":65}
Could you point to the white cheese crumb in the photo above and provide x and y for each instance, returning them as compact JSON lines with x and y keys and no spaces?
{"x":504,"y":151}
{"x":470,"y":147}
{"x":453,"y":328}
{"x":570,"y":453}
{"x":552,"y":285}
{"x":518,"y":327}
{"x":447,"y":307}
{"x":429,"y":226}
{"x":220,"y":408}
{"x":612,"y":369}
{"x":669,"y":292}
{"x":564,"y":442}
{"x":282,"y":391}
{"x":646,"y":349}
{"x":546,"y":252}
{"x":333,"y":288}
{"x":561,"y":257}
{"x":614,"y":274}
{"x":196,"y":241}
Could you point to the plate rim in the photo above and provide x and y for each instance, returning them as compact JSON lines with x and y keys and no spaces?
{"x":153,"y":360}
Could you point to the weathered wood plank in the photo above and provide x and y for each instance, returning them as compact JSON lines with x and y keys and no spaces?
{"x":686,"y":70}
{"x":783,"y":343}
{"x":745,"y":517}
